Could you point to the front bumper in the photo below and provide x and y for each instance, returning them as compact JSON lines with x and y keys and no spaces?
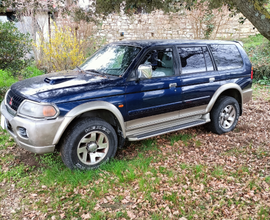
{"x":40,"y":133}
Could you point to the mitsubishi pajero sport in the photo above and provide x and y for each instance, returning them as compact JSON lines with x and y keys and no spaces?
{"x":129,"y":90}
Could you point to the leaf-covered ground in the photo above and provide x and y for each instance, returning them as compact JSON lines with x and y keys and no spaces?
{"x":190,"y":174}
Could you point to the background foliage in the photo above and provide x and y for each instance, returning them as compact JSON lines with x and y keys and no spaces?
{"x":70,"y":43}
{"x":258,"y":49}
{"x":62,"y":51}
{"x":14,"y":46}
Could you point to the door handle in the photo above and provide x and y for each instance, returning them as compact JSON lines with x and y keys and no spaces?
{"x":172,"y":85}
{"x":212,"y":79}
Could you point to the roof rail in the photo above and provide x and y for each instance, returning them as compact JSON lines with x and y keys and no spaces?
{"x":239,"y":42}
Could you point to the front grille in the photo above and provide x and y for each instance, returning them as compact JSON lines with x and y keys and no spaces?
{"x":10,"y":110}
{"x":14,"y":100}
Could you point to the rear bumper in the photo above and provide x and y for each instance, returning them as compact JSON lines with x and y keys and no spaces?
{"x":39,"y":133}
{"x":247,"y":95}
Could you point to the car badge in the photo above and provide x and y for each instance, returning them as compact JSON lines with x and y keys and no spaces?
{"x":10,"y":102}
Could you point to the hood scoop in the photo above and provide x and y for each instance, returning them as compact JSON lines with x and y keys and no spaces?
{"x":57,"y":80}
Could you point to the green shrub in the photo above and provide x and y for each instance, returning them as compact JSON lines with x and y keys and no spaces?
{"x":14,"y":46}
{"x":258,"y":50}
{"x":260,"y":57}
{"x":6,"y":80}
{"x":31,"y":71}
{"x":265,"y":81}
{"x":261,"y":72}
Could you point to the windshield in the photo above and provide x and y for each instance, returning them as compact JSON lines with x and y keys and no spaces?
{"x":112,"y":59}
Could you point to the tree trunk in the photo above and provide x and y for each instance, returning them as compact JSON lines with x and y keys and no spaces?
{"x":256,"y":14}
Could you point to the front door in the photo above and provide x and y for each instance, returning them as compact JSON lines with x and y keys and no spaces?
{"x":157,"y":95}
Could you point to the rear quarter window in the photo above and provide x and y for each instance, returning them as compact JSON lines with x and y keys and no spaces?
{"x":227,"y":56}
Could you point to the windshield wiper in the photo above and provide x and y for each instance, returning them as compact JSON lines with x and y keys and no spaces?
{"x":95,"y":71}
{"x":90,"y":70}
{"x":81,"y":70}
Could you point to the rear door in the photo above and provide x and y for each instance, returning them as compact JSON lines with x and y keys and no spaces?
{"x":199,"y":77}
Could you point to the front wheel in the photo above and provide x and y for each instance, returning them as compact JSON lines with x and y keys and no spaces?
{"x":88,"y":144}
{"x":224,"y":115}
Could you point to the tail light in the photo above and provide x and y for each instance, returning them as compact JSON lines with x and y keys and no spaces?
{"x":251,"y":73}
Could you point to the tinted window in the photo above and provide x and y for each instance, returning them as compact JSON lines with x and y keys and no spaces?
{"x":226,"y":57}
{"x":161,"y":61}
{"x":192,"y":59}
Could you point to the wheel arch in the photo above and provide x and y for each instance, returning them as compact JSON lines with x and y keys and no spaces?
{"x":92,"y":109}
{"x":230,"y":89}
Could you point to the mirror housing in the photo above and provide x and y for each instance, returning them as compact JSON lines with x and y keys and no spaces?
{"x":145,"y":71}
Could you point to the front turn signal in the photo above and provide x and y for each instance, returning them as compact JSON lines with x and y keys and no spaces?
{"x":49,"y":111}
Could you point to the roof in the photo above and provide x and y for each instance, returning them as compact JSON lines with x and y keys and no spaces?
{"x":146,"y":43}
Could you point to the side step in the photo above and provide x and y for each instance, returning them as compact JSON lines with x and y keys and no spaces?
{"x":141,"y":134}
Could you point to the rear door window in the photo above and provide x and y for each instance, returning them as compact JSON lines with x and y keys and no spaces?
{"x":195,"y":59}
{"x":226,"y":57}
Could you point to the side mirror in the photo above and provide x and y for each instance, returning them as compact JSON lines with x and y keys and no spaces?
{"x":145,"y":71}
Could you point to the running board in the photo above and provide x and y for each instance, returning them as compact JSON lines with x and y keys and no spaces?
{"x":160,"y":129}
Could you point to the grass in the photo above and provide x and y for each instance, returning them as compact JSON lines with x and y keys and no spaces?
{"x":236,"y":151}
{"x":149,"y":144}
{"x":177,"y":137}
{"x":218,"y":172}
{"x":67,"y":188}
{"x":57,"y":187}
{"x":253,"y":41}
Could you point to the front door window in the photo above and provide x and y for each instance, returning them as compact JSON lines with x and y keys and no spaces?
{"x":161,"y":61}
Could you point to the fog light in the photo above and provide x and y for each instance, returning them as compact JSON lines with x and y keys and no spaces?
{"x":22,"y":132}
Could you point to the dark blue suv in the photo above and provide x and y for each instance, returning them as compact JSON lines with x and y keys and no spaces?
{"x":129,"y":90}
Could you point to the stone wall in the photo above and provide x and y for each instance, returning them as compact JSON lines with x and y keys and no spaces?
{"x":187,"y":25}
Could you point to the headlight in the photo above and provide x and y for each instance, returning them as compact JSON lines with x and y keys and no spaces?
{"x":38,"y":110}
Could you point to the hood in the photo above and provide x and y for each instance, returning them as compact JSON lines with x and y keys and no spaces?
{"x":65,"y":83}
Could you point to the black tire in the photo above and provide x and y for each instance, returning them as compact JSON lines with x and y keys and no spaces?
{"x":88,"y":144}
{"x":224,"y":115}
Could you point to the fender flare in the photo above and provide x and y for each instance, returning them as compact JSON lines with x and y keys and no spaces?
{"x":86,"y":107}
{"x":222,"y":89}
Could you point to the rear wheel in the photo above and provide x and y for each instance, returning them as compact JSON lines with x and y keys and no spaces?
{"x":224,"y":115}
{"x":88,"y":144}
